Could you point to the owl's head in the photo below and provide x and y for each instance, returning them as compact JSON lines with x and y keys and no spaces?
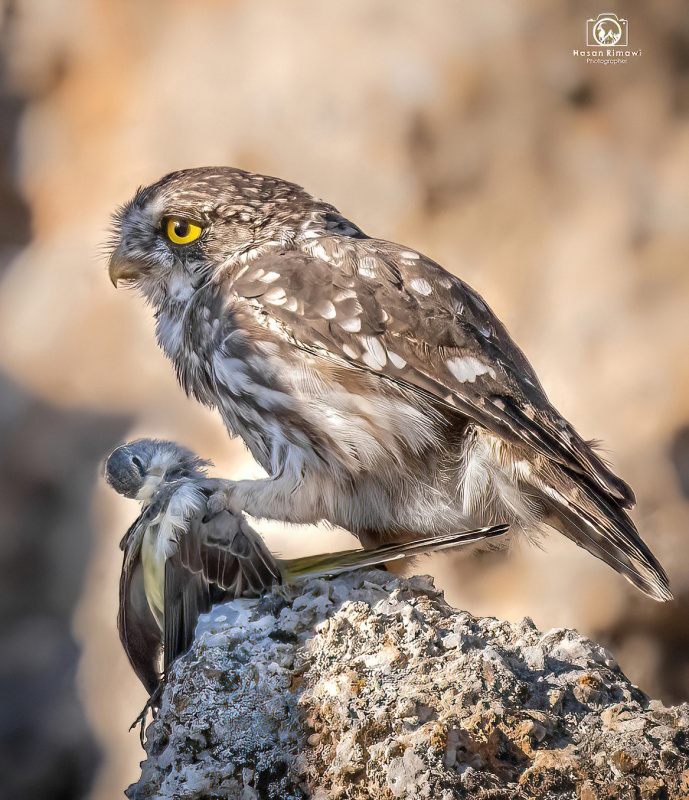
{"x":198,"y":224}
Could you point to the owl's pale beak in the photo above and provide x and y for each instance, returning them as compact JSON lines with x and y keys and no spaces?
{"x":122,"y":268}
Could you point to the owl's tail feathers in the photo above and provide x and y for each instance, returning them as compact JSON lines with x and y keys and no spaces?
{"x":599,"y":525}
{"x":347,"y":560}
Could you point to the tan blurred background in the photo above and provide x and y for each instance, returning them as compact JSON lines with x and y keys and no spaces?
{"x":559,"y":190}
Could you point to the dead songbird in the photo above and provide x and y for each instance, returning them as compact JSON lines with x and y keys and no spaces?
{"x":378,"y":391}
{"x":178,"y":564}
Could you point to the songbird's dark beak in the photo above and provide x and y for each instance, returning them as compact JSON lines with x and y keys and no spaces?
{"x":122,"y":268}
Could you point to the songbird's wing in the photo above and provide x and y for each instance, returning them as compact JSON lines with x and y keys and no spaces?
{"x":139,"y":632}
{"x":229,"y":554}
{"x":187,"y":595}
{"x":215,"y":559}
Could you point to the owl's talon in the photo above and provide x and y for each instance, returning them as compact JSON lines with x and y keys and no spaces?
{"x":221,"y":500}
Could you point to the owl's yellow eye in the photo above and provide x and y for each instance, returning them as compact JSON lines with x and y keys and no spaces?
{"x":181,"y":231}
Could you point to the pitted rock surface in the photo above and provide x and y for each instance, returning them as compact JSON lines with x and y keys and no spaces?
{"x":371,"y":686}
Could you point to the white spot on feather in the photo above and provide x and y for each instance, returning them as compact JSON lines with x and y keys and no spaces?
{"x":269,"y":277}
{"x":276,"y":296}
{"x":367,"y":267}
{"x":467,"y":369}
{"x":318,"y":251}
{"x":327,"y":310}
{"x":370,"y":361}
{"x":351,"y":325}
{"x":344,"y":294}
{"x":396,"y":361}
{"x":421,"y":286}
{"x":375,"y":357}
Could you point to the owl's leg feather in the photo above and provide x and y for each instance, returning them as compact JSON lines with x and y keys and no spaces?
{"x":278,"y":498}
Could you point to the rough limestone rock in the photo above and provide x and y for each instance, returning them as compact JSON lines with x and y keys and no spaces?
{"x":371,"y":686}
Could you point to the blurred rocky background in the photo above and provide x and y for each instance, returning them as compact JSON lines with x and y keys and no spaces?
{"x":559,"y":190}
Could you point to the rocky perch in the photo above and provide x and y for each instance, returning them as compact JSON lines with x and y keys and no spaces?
{"x":371,"y":686}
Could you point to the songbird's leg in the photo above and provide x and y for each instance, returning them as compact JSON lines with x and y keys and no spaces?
{"x":141,"y":722}
{"x":152,"y":705}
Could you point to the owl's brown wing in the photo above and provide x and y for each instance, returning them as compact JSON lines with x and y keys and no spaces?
{"x":383,"y":308}
{"x":215,"y":559}
{"x":375,"y":306}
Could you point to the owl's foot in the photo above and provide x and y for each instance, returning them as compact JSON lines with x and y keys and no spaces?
{"x":223,"y":499}
{"x":264,"y":498}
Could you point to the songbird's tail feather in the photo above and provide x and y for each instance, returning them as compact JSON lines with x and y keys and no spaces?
{"x":347,"y":560}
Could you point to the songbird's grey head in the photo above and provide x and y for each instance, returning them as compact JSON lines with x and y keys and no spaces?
{"x":176,"y":234}
{"x":137,"y":469}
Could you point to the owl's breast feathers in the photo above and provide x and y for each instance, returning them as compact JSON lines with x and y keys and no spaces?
{"x":279,"y":385}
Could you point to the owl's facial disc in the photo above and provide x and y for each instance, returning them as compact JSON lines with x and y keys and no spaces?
{"x":176,"y":234}
{"x":151,"y":239}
